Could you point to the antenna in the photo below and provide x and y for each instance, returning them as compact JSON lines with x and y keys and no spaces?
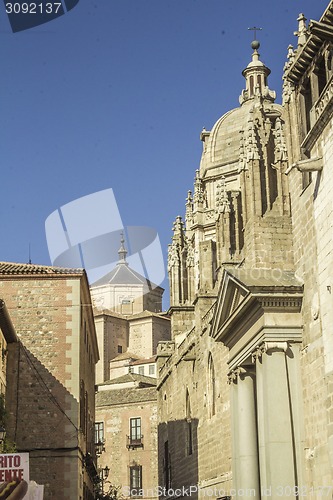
{"x":29,"y":254}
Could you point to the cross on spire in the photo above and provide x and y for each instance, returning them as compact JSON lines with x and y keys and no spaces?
{"x":255,"y":29}
{"x":122,"y":252}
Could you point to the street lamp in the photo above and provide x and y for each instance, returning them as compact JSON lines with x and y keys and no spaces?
{"x":103,"y":475}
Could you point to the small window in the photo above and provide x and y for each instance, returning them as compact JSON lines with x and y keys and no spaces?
{"x":151,"y":369}
{"x":126,"y":306}
{"x":135,"y":438}
{"x":135,"y":429}
{"x":141,"y":370}
{"x":120,"y":349}
{"x":99,"y":432}
{"x":136,"y":480}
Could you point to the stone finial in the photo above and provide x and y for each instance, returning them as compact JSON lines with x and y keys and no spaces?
{"x":222,"y":202}
{"x":198,"y":197}
{"x":189,"y":254}
{"x":291,"y":54}
{"x":178,"y":227}
{"x":280,"y":149}
{"x":251,"y":141}
{"x":189,"y":209}
{"x":241,"y":165}
{"x":302,"y":32}
{"x":173,"y":255}
{"x":287,"y":90}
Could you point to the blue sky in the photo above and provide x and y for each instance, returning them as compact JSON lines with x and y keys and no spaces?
{"x":114,"y":94}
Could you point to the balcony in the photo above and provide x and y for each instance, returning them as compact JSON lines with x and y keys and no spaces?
{"x":134,"y":442}
{"x":100,"y":447}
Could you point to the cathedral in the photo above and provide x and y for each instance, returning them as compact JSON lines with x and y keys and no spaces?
{"x":245,"y":386}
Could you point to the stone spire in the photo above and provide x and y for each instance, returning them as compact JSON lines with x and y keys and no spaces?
{"x":256,"y":74}
{"x":122,"y":252}
{"x":302,"y":33}
{"x":198,"y":197}
{"x":189,"y":210}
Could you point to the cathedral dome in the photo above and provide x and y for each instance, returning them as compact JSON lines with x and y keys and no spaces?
{"x":222,"y":145}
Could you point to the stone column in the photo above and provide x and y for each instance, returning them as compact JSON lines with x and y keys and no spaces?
{"x":246,"y":470}
{"x":275,"y":426}
{"x":232,"y":378}
{"x":247,"y":434}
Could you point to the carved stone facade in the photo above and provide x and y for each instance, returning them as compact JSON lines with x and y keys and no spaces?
{"x":245,"y":386}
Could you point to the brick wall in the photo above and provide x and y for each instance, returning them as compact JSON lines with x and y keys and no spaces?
{"x":57,"y":351}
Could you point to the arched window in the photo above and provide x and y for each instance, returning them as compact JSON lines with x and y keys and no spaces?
{"x":211,"y":386}
{"x":251,"y":85}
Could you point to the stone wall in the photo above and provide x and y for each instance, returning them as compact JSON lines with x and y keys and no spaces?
{"x":112,"y":331}
{"x":311,"y":186}
{"x":145,"y":333}
{"x":184,"y":376}
{"x":313,"y":246}
{"x":115,"y":408}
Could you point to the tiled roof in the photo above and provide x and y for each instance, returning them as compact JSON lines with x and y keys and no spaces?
{"x":126,"y":396}
{"x":132,"y":377}
{"x":149,"y":314}
{"x":143,"y":361}
{"x":122,"y":274}
{"x":125,"y":355}
{"x":12,"y":268}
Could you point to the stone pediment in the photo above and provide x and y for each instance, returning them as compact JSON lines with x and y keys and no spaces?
{"x":248,"y":294}
{"x":231,"y":295}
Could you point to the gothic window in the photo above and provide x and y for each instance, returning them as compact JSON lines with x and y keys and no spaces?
{"x":211,"y":386}
{"x":322,"y":78}
{"x":259,"y":82}
{"x":305,"y":106}
{"x":189,"y":430}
